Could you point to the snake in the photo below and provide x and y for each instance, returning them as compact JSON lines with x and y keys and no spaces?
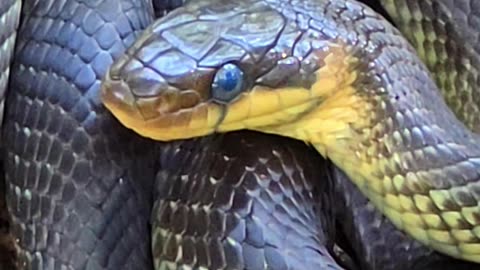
{"x":83,"y":192}
{"x":334,"y":75}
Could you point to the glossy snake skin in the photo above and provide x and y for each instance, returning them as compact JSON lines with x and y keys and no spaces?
{"x":77,"y":199}
{"x":81,"y":188}
{"x":333,"y":74}
{"x":9,"y":18}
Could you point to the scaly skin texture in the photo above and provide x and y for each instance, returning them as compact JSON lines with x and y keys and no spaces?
{"x":80,"y":189}
{"x":331,"y":73}
{"x":300,"y":173}
{"x":375,"y":241}
{"x":447,"y":37}
{"x":243,"y":201}
{"x":9,"y":18}
{"x":76,"y":197}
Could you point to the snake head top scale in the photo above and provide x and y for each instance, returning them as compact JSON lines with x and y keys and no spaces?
{"x":331,"y":73}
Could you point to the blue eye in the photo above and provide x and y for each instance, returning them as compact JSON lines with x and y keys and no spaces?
{"x":228,"y":83}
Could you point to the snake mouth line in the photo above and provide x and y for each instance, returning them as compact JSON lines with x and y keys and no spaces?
{"x":199,"y":120}
{"x":271,"y":108}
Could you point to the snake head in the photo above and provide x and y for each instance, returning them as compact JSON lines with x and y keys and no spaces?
{"x":217,"y":66}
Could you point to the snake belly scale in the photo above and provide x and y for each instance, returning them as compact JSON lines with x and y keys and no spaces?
{"x":330,"y":73}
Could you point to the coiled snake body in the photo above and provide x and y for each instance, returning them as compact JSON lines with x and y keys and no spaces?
{"x":79,"y":185}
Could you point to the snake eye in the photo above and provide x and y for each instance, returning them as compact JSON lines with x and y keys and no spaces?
{"x":228,"y":83}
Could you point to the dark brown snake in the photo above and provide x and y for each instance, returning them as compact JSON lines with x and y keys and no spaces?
{"x":83,"y":192}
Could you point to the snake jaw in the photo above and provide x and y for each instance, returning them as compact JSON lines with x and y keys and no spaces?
{"x":158,"y":117}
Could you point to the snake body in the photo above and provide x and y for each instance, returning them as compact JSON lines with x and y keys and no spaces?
{"x":446,"y":37}
{"x":79,"y":186}
{"x":76,"y":199}
{"x":9,"y":16}
{"x":331,"y":73}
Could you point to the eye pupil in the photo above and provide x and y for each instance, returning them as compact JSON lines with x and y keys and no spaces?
{"x":228,"y":82}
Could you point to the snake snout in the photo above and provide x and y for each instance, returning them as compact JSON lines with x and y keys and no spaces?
{"x":157,"y":105}
{"x":151,"y":97}
{"x":117,"y":97}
